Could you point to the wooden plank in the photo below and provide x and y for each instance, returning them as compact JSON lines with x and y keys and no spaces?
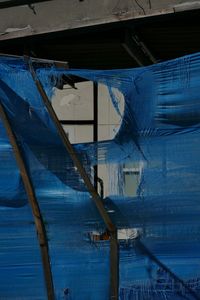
{"x":114,"y":263}
{"x":39,"y":223}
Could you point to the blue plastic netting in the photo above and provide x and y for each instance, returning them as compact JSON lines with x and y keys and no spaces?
{"x":160,"y":132}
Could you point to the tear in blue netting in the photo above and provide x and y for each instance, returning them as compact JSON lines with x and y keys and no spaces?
{"x":160,"y":132}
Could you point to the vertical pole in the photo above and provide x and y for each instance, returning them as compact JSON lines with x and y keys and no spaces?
{"x":114,"y":266}
{"x":95,"y":129}
{"x":39,"y":223}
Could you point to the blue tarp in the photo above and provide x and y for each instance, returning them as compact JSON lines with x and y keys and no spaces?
{"x":160,"y":131}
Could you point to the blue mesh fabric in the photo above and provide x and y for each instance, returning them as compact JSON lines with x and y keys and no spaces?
{"x":160,"y":131}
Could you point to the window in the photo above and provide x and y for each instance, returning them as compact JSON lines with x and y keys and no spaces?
{"x":131,"y":176}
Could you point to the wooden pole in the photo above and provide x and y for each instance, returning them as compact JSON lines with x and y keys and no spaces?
{"x":114,"y":263}
{"x":39,"y":223}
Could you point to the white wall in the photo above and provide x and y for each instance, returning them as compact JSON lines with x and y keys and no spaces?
{"x":77,"y":104}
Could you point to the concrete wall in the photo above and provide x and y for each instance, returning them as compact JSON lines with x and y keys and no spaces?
{"x":58,"y":15}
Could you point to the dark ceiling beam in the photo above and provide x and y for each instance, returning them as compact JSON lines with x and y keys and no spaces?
{"x":137,"y":49}
{"x":13,"y":3}
{"x":144,"y":48}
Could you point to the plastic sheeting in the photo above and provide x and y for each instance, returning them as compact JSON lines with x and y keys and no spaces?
{"x":160,"y":132}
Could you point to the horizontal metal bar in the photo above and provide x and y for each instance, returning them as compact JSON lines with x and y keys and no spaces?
{"x":42,"y":61}
{"x":77,"y":122}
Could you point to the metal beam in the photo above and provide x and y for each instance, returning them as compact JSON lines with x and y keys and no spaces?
{"x":13,"y":3}
{"x":143,"y":48}
{"x":114,"y":263}
{"x":39,"y":223}
{"x":40,"y":61}
{"x":137,"y":49}
{"x":77,"y":122}
{"x":95,"y":130}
